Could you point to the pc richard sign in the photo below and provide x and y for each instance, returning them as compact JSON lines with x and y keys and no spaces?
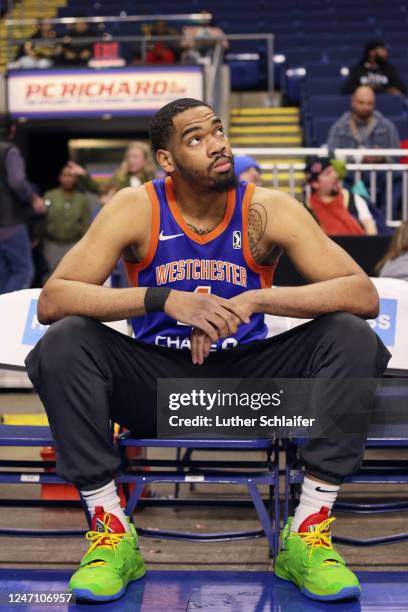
{"x":86,"y":92}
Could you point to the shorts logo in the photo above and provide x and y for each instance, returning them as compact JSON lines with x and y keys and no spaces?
{"x":236,"y":240}
{"x":33,"y":330}
{"x":384,"y":325}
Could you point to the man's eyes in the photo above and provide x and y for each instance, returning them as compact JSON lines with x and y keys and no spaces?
{"x":197,"y":139}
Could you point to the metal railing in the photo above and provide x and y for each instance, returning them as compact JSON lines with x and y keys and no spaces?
{"x":370,"y":172}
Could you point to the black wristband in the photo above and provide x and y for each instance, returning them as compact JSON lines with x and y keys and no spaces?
{"x":155,"y":298}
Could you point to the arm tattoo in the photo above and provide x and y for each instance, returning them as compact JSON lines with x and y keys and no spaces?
{"x":256,"y":229}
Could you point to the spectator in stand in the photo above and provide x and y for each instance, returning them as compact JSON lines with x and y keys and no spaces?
{"x":198,"y":41}
{"x":162,"y":51}
{"x":68,"y":218}
{"x":375,"y":71}
{"x":363,"y":126}
{"x":137,"y":168}
{"x":394,"y":264}
{"x":41,"y":51}
{"x":17,"y":201}
{"x":337,"y":210}
{"x":247,"y":169}
{"x":78,"y":54}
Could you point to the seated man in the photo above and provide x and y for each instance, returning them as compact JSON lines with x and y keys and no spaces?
{"x":365,"y":127}
{"x":375,"y":71}
{"x":178,"y":234}
{"x":338,"y":210}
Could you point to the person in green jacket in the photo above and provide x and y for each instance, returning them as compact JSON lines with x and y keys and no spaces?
{"x":136,"y":169}
{"x":68,"y":218}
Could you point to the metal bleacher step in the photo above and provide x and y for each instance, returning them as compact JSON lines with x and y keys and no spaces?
{"x":278,"y":141}
{"x":274,"y":127}
{"x":25,"y":9}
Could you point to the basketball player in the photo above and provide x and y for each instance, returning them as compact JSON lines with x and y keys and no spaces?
{"x":200,"y":251}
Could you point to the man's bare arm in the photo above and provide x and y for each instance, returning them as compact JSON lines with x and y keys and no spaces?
{"x":337,"y":281}
{"x":75,"y":286}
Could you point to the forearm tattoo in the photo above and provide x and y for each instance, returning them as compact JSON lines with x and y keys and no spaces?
{"x":256,"y":229}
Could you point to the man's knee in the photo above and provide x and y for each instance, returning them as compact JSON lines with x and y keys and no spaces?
{"x":352,"y":340}
{"x":62,"y":342}
{"x":348,"y":329}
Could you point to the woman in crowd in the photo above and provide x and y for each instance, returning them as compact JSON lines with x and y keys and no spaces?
{"x":137,"y":168}
{"x":394,"y":264}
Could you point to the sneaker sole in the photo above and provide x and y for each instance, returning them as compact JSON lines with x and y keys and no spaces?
{"x":347,"y":593}
{"x":86,"y":595}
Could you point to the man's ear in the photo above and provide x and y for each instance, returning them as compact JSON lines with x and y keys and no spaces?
{"x":165,"y":160}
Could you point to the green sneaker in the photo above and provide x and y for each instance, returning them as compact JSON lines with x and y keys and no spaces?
{"x":112,"y":561}
{"x":308,"y":559}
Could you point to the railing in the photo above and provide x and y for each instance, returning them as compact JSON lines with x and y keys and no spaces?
{"x":389,"y":172}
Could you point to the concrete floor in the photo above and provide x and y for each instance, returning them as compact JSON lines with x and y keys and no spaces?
{"x":164,"y":554}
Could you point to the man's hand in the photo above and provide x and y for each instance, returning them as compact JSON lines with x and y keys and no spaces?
{"x":216,"y":316}
{"x":38,"y":205}
{"x":76,"y":169}
{"x":201,"y":341}
{"x":200,"y":346}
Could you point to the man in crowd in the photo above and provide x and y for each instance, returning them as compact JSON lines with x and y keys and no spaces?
{"x":338,"y":210}
{"x":363,"y":126}
{"x":17,"y":201}
{"x":68,"y":218}
{"x":375,"y":71}
{"x":78,"y":53}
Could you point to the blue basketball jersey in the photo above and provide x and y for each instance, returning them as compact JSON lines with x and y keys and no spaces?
{"x":219,"y":262}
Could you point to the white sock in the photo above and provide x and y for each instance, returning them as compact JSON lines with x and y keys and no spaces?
{"x":314,"y":495}
{"x":107,"y":497}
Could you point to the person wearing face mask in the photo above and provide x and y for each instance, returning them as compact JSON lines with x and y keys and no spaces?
{"x":136,"y":168}
{"x":375,"y":71}
{"x":337,"y":210}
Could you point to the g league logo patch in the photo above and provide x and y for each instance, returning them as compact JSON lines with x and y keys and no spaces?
{"x":384,"y":325}
{"x":33,"y":330}
{"x":236,"y":240}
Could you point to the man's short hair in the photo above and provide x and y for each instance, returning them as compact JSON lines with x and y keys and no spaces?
{"x":162,"y":126}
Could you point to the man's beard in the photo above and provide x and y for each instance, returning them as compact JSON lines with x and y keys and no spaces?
{"x":334,"y":191}
{"x":203,"y":181}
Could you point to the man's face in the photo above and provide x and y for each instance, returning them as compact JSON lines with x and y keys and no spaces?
{"x":200,"y":150}
{"x":252,"y":175}
{"x":363,"y":102}
{"x":328,"y":183}
{"x":67,"y":180}
{"x":81,"y":26}
{"x":380,"y":55}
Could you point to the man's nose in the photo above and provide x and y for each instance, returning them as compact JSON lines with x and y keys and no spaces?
{"x":215,"y":147}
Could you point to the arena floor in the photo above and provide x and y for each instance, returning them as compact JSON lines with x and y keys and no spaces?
{"x":225,"y":575}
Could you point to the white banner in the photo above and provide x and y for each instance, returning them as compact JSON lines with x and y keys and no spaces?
{"x":391,"y":325}
{"x":86,"y":92}
{"x":20,"y":329}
